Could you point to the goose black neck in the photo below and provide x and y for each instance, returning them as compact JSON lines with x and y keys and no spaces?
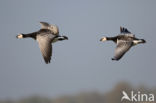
{"x":31,"y":35}
{"x":112,"y":38}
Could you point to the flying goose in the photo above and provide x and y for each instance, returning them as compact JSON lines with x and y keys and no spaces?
{"x":125,"y":40}
{"x":47,"y":35}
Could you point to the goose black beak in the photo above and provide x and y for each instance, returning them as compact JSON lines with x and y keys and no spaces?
{"x":101,"y":39}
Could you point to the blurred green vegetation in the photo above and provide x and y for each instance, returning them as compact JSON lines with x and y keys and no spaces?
{"x":112,"y":96}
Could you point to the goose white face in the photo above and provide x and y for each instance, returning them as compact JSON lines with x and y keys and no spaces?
{"x":103,"y":39}
{"x":19,"y":36}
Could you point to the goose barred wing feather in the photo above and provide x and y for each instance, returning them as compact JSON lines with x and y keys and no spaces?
{"x":122,"y":47}
{"x":44,"y":25}
{"x":45,"y":46}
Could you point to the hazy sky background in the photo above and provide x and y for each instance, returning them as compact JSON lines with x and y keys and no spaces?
{"x":82,"y":63}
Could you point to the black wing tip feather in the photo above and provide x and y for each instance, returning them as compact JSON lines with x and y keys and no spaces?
{"x":42,"y":22}
{"x":124,"y":30}
{"x":114,"y":59}
{"x":47,"y":60}
{"x":121,"y":28}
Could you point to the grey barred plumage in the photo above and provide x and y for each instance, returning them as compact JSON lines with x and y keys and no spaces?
{"x":125,"y":40}
{"x":47,"y":35}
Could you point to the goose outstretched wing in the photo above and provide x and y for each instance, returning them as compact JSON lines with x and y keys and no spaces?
{"x":53,"y":28}
{"x":44,"y":25}
{"x":45,"y":46}
{"x":122,"y":47}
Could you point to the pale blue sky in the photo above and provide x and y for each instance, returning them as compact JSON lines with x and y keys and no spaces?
{"x":82,"y":63}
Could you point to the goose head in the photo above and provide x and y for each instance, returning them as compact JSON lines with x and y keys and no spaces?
{"x":19,"y":36}
{"x":103,"y":39}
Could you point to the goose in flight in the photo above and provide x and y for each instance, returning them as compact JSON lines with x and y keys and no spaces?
{"x":125,"y":40}
{"x":47,"y":35}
